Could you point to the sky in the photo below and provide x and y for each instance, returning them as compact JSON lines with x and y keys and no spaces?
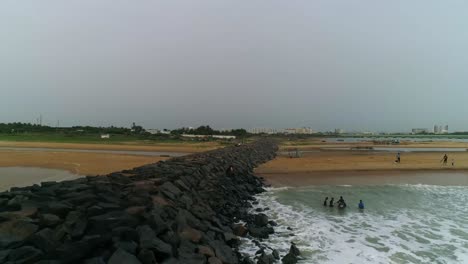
{"x":357,"y":65}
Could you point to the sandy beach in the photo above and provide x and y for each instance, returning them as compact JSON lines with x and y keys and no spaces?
{"x":78,"y":163}
{"x":360,"y":167}
{"x":188,"y":147}
{"x":42,"y":155}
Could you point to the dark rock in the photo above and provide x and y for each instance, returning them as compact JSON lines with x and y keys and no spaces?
{"x":247,"y":260}
{"x":75,"y":224}
{"x":44,"y":240}
{"x":96,"y":260}
{"x":224,"y":252}
{"x":128,"y":246}
{"x":49,"y":220}
{"x":57,"y":208}
{"x":275,"y":254}
{"x":26,"y":254}
{"x":148,"y":240}
{"x":146,"y":256}
{"x":206,"y":250}
{"x":15,"y":231}
{"x":214,"y":260}
{"x":121,"y":256}
{"x":170,"y":190}
{"x":112,"y":220}
{"x":294,"y":250}
{"x":73,"y":251}
{"x":261,"y":220}
{"x":4,"y":255}
{"x":260,"y":232}
{"x":266,"y":259}
{"x":190,"y":234}
{"x":240,"y":230}
{"x":125,"y":233}
{"x":289,"y":259}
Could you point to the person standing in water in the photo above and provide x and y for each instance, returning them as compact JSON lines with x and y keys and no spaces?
{"x":331,"y":202}
{"x":361,"y":204}
{"x":325,"y":202}
{"x":444,"y":159}
{"x":341,"y":202}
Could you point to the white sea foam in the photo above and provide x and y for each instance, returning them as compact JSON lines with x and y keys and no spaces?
{"x":407,"y":224}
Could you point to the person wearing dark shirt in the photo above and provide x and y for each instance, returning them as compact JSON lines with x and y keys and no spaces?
{"x":341,"y":202}
{"x":331,"y":202}
{"x":325,"y":202}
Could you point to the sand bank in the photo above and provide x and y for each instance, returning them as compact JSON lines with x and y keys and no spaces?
{"x":130,"y":146}
{"x":346,"y":167}
{"x":78,"y":163}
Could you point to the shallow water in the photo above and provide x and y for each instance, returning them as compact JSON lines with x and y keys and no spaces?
{"x":401,"y":224}
{"x":26,"y":176}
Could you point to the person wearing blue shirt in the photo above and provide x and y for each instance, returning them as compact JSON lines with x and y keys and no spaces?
{"x":361,"y":204}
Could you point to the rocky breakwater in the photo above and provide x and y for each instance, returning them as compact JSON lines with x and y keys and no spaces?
{"x":182,"y":210}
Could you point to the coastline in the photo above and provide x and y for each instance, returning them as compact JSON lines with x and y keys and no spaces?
{"x":365,"y":168}
{"x":380,"y":177}
{"x":129,"y":146}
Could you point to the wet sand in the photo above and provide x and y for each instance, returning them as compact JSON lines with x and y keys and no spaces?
{"x":75,"y":162}
{"x":362,"y":167}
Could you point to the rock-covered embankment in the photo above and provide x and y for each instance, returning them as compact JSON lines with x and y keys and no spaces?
{"x":182,"y":210}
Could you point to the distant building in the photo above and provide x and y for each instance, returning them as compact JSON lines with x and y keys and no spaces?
{"x":224,"y":137}
{"x":440,"y":130}
{"x":105,"y":136}
{"x":153,"y":131}
{"x":208,"y":136}
{"x":445,"y":130}
{"x":301,"y":130}
{"x":263,"y":131}
{"x":339,"y":131}
{"x":419,"y":131}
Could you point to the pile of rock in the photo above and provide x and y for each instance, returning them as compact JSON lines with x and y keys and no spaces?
{"x":181,"y":210}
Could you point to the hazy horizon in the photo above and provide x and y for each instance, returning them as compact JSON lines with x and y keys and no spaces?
{"x":377,"y":66}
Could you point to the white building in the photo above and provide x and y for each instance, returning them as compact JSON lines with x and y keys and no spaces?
{"x":339,"y":131}
{"x":209,"y":136}
{"x":419,"y":130}
{"x":263,"y":131}
{"x":105,"y":136}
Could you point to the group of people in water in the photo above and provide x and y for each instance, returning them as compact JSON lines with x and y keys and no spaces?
{"x":341,"y":203}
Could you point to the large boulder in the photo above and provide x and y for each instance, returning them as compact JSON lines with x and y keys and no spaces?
{"x":121,"y":256}
{"x":15,"y":231}
{"x":24,"y":255}
{"x":261,"y":220}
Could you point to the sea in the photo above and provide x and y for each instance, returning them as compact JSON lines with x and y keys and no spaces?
{"x":401,"y":223}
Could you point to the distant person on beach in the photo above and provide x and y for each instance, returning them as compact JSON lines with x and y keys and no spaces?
{"x":361,"y":204}
{"x":453,"y":162}
{"x":331,"y":202}
{"x":444,"y":159}
{"x":398,"y":157}
{"x":325,"y":202}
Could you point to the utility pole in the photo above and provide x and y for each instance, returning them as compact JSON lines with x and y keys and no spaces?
{"x":40,"y":119}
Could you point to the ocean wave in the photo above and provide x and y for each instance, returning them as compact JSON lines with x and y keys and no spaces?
{"x":401,"y":223}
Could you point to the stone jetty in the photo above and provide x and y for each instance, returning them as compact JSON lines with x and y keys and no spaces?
{"x":183,"y":210}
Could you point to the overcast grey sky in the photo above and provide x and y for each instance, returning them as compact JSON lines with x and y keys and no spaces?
{"x":363,"y":64}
